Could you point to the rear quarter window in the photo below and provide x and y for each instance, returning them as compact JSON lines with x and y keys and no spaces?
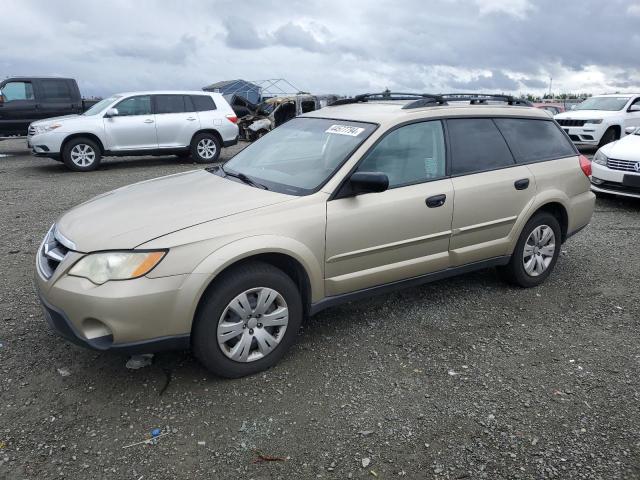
{"x":203,"y":103}
{"x":477,"y":146}
{"x":533,"y":140}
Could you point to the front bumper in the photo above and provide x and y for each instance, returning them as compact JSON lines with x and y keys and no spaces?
{"x":46,"y":144}
{"x":142,"y":315}
{"x":589,"y":134}
{"x":607,"y":180}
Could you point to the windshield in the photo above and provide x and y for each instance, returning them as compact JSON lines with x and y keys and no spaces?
{"x":603,"y":103}
{"x":101,"y":105}
{"x":299,"y":156}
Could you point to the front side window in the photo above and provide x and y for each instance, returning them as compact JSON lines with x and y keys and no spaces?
{"x":411,"y":154}
{"x":140,"y":105}
{"x":299,"y":156}
{"x":100,"y":106}
{"x":477,"y":146}
{"x":18,"y":91}
{"x":535,"y":140}
{"x":55,"y":90}
{"x":170,"y":104}
{"x":611,"y":104}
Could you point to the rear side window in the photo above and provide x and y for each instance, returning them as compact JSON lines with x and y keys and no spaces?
{"x":476,"y":146}
{"x":411,"y":154}
{"x":203,"y":103}
{"x":56,"y":90}
{"x":535,"y":140}
{"x":170,"y":104}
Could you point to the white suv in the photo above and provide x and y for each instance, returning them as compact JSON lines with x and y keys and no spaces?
{"x":602,"y":119}
{"x":196,"y":124}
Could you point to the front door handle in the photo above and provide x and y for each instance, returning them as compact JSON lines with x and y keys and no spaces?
{"x":436,"y":200}
{"x":191,"y":119}
{"x":148,"y":120}
{"x":521,"y":184}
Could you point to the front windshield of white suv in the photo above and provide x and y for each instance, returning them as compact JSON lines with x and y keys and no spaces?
{"x":101,"y":105}
{"x":299,"y":156}
{"x":611,"y":104}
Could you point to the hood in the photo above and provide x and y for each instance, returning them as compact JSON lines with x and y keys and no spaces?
{"x":585,"y":114}
{"x":132,"y":215}
{"x":56,"y":119}
{"x":627,"y":148}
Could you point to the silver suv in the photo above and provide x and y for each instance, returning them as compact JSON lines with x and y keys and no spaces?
{"x":196,"y":124}
{"x":335,"y":205}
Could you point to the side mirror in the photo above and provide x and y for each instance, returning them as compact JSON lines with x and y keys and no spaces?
{"x":368,"y":182}
{"x":630,"y":130}
{"x":112,"y":112}
{"x":634,"y":108}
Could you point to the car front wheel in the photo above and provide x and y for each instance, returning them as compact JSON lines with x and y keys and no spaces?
{"x":249,"y":318}
{"x":536,"y":252}
{"x":81,"y":155}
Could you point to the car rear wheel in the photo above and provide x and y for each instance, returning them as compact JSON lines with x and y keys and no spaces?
{"x":536,"y":252}
{"x":611,"y":135}
{"x":249,"y":318}
{"x":205,"y":148}
{"x":81,"y":155}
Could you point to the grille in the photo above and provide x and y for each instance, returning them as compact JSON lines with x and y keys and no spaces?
{"x":572,"y":123}
{"x":32,"y":131}
{"x":624,"y":165}
{"x":51,"y":254}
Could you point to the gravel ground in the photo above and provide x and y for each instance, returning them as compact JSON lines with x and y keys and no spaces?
{"x":466,"y":378}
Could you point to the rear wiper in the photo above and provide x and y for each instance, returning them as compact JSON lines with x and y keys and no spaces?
{"x":244,"y":178}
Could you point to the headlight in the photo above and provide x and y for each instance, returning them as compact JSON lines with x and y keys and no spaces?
{"x":104,"y":266}
{"x":594,"y":121}
{"x":47,"y":128}
{"x":600,"y":158}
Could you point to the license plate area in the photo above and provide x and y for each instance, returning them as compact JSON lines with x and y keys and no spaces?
{"x":631,"y":181}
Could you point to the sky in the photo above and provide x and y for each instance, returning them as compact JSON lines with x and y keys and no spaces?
{"x":328,"y":46}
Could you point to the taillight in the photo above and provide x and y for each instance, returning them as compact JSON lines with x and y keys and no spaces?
{"x":585,"y":165}
{"x":232,"y":118}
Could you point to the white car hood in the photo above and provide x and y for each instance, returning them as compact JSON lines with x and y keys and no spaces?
{"x":627,"y":148}
{"x":56,"y":119}
{"x":586,"y":114}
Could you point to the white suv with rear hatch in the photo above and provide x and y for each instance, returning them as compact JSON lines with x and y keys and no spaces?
{"x":601,"y":119}
{"x":196,"y":124}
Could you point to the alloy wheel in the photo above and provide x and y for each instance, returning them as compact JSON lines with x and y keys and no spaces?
{"x":539,"y":250}
{"x":207,"y":148}
{"x":253,"y":324}
{"x":83,"y":155}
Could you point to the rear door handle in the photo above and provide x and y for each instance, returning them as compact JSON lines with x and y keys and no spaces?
{"x":436,"y":200}
{"x":521,"y":184}
{"x":191,"y":119}
{"x":148,"y":120}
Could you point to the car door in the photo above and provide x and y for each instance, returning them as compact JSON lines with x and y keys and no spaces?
{"x":19,"y":105}
{"x":491,"y":190}
{"x":378,"y":238}
{"x":632,"y":117}
{"x":56,"y":97}
{"x":133,"y":128}
{"x":176,"y":120}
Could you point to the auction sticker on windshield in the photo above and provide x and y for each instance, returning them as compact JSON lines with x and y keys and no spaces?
{"x":345,"y":130}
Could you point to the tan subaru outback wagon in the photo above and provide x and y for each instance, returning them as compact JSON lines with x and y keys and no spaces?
{"x":371,"y":194}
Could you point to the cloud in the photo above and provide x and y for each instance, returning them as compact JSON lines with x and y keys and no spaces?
{"x":496,"y":80}
{"x":241,"y":34}
{"x":295,"y":36}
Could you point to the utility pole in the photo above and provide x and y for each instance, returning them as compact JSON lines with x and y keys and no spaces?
{"x":550,"y":83}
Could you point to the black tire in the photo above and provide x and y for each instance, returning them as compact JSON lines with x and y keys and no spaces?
{"x":225,"y":288}
{"x":73,"y":147}
{"x":200,"y":156}
{"x":514,"y":272}
{"x":611,"y":135}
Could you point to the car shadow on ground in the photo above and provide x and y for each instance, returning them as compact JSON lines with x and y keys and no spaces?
{"x":116,"y":163}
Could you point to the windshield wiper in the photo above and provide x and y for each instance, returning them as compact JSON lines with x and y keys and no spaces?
{"x":242,"y":177}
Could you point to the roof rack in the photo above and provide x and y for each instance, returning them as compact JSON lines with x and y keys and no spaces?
{"x":483,"y":98}
{"x":420,"y":99}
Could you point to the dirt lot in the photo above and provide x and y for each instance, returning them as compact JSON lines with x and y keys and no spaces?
{"x":467,"y":378}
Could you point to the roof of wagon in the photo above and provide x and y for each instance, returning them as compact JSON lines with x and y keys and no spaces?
{"x":391,"y":112}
